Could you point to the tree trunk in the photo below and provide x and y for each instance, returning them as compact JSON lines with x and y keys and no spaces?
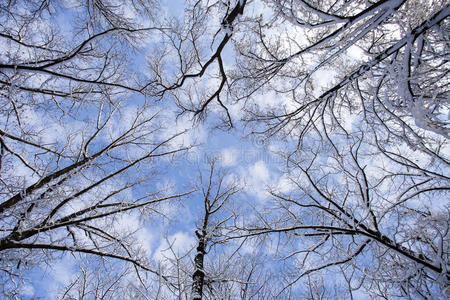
{"x":199,"y":273}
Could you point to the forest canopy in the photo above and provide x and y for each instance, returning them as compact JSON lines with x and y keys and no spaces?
{"x":224,"y":149}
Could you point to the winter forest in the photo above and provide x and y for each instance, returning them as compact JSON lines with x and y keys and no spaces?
{"x":224,"y":149}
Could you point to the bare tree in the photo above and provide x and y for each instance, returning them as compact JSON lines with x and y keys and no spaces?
{"x":214,"y":268}
{"x":195,"y":63}
{"x":354,"y":92}
{"x":349,"y":205}
{"x":284,"y":47}
{"x":211,"y":269}
{"x":95,"y":281}
{"x":366,"y":151}
{"x":81,"y":147}
{"x":216,"y":193}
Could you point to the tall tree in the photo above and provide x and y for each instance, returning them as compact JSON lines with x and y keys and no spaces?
{"x":81,"y":147}
{"x":357,"y":92}
{"x":214,"y":268}
{"x":216,"y":193}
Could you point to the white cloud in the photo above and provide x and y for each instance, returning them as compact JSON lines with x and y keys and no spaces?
{"x":27,"y":290}
{"x":193,"y":135}
{"x":285,"y":184}
{"x":259,"y":171}
{"x":257,"y":178}
{"x":229,"y":157}
{"x":125,"y":223}
{"x":62,"y":270}
{"x":181,"y":242}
